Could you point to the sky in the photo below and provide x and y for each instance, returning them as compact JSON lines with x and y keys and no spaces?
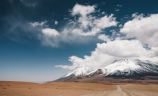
{"x":42,"y":40}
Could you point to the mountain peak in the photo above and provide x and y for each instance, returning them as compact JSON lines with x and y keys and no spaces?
{"x":80,"y":70}
{"x":125,"y":67}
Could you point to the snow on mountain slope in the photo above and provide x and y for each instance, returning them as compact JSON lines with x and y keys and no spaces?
{"x":125,"y":67}
{"x":78,"y":71}
{"x":122,"y":67}
{"x":91,"y":73}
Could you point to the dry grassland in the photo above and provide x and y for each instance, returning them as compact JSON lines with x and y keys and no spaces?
{"x":51,"y":89}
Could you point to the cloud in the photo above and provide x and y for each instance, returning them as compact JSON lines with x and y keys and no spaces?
{"x":103,"y":37}
{"x":50,"y":32}
{"x":122,"y":48}
{"x":85,"y":19}
{"x":64,"y":36}
{"x":48,"y":38}
{"x":83,"y":29}
{"x":82,"y":10}
{"x":106,"y":21}
{"x":38,"y":23}
{"x":88,"y":24}
{"x":56,"y":22}
{"x":85,"y":26}
{"x":19,"y":29}
{"x":154,"y":51}
{"x":106,"y":53}
{"x":66,"y":67}
{"x":92,"y":32}
{"x":96,"y":25}
{"x":139,"y":42}
{"x":143,"y":28}
{"x":120,"y":25}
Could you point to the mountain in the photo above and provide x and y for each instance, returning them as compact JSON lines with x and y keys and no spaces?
{"x":78,"y":71}
{"x":123,"y":68}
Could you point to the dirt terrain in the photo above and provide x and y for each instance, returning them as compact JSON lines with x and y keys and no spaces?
{"x":8,"y":88}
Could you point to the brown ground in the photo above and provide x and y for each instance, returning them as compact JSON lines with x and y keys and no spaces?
{"x":8,"y":88}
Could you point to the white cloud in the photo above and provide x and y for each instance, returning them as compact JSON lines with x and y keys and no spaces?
{"x":56,"y":22}
{"x":143,"y":28}
{"x":96,"y":25}
{"x":48,"y":37}
{"x":122,"y":48}
{"x":50,"y":32}
{"x":81,"y":30}
{"x":82,"y":10}
{"x":103,"y":37}
{"x":106,"y":53}
{"x":91,"y":23}
{"x":38,"y":23}
{"x":105,"y":22}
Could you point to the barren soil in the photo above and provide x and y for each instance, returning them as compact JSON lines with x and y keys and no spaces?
{"x":8,"y":88}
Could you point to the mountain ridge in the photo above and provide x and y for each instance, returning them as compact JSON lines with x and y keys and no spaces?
{"x":122,"y":68}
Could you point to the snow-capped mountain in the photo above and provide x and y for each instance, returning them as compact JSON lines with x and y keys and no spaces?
{"x":81,"y":70}
{"x":119,"y":68}
{"x":125,"y":67}
{"x":78,"y":71}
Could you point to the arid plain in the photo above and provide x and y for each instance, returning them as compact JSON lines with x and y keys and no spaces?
{"x":8,"y":88}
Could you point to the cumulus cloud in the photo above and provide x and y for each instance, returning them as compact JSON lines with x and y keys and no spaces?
{"x":82,"y":10}
{"x":122,"y":48}
{"x":143,"y":28}
{"x":106,"y":53}
{"x":88,"y":24}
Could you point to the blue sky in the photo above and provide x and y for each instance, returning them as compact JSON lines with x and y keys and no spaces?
{"x":41,"y":40}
